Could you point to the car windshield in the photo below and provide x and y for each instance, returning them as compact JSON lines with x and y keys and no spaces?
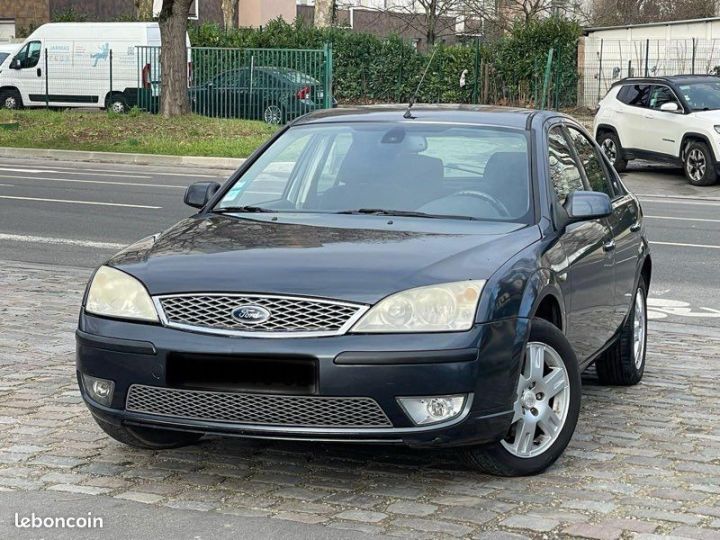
{"x":429,"y":170}
{"x":702,"y":96}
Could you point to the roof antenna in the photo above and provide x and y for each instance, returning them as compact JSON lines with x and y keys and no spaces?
{"x":408,"y":112}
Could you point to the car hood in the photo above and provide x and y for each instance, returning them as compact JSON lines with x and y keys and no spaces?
{"x":352,"y":258}
{"x":710,"y":116}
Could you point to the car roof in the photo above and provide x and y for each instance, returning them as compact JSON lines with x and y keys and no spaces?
{"x":443,"y":113}
{"x":670,"y":79}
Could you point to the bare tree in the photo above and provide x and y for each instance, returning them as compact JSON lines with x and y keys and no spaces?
{"x":433,"y":18}
{"x":620,"y":12}
{"x":324,"y":13}
{"x":173,"y":20}
{"x":143,"y":9}
{"x":228,"y":10}
{"x":503,"y":14}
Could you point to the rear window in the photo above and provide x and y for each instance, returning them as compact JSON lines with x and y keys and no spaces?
{"x":637,"y":95}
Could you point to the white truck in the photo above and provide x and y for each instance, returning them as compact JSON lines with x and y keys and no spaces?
{"x":69,"y":65}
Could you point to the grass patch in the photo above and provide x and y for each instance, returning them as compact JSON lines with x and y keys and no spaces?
{"x":136,"y":132}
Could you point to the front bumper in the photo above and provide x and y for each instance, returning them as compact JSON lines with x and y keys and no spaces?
{"x":482,"y":363}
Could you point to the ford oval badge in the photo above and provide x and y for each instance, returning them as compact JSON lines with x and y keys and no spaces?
{"x":250,"y":314}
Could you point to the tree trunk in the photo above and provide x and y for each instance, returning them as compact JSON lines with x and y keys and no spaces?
{"x":324,"y":13}
{"x":173,"y":22}
{"x":228,"y":11}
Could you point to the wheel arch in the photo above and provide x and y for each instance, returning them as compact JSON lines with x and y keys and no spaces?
{"x":109,"y":96}
{"x":606,"y":128}
{"x":693,"y":136}
{"x":543,"y":298}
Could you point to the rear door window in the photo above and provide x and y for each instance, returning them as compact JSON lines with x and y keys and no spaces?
{"x":595,"y":171}
{"x":636,"y":95}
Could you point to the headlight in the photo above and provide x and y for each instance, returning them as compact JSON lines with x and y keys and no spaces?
{"x":446,"y":307}
{"x":115,"y":294}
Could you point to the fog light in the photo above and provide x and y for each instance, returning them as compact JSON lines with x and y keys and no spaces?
{"x":100,"y":390}
{"x":432,"y":409}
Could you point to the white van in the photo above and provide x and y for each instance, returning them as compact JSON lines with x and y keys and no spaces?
{"x":77,"y":70}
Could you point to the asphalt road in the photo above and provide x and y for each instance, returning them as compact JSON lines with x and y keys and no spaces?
{"x":78,"y":214}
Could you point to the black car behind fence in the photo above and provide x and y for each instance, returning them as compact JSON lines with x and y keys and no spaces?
{"x":273,"y":85}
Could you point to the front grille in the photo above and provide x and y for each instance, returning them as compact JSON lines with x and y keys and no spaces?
{"x":288,"y":316}
{"x":264,"y":409}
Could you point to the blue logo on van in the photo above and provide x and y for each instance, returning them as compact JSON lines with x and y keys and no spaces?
{"x":102,"y":53}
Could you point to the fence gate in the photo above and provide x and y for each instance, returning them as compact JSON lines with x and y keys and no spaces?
{"x":274,"y":85}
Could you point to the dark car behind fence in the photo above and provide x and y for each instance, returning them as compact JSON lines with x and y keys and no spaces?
{"x":273,"y":85}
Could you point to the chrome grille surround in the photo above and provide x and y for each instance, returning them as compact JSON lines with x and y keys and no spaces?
{"x":257,"y":409}
{"x":290,"y":316}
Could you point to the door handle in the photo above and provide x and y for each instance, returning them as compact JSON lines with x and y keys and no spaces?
{"x":635,"y":227}
{"x":39,"y":72}
{"x":609,"y":245}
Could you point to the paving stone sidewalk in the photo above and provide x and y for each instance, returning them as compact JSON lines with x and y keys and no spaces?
{"x":644,"y":461}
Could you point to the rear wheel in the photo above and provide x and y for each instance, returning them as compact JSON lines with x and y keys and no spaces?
{"x":11,"y":99}
{"x":117,"y":104}
{"x":147,"y":438}
{"x":546,"y":408}
{"x":699,"y":164}
{"x":610,"y":145}
{"x":623,"y":364}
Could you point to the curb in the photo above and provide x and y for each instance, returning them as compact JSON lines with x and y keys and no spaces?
{"x":123,"y":158}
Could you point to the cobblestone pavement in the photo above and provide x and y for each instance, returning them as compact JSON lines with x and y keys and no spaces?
{"x":645,"y":461}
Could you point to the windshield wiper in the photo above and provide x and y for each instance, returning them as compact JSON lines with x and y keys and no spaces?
{"x":241,"y":210}
{"x":400,"y":213}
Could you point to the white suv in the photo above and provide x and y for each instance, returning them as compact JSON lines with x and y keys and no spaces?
{"x":670,"y":119}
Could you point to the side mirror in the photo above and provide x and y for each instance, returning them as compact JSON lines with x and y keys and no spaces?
{"x":198,"y":194}
{"x":670,"y":106}
{"x":15,"y":63}
{"x":587,"y":205}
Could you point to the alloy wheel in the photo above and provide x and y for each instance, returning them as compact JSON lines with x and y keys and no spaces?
{"x":272,"y":114}
{"x":542,"y":402}
{"x":10,"y":102}
{"x":696,"y":164}
{"x":610,"y":150}
{"x":118,"y":107}
{"x":639,"y":328}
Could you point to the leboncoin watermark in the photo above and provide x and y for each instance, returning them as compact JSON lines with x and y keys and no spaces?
{"x":33,"y":521}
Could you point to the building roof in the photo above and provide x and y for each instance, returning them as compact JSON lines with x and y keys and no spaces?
{"x":591,"y":29}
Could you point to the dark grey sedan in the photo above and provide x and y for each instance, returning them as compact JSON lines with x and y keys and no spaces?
{"x":433,"y":278}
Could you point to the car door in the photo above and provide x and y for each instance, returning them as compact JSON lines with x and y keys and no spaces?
{"x":29,"y":76}
{"x":635,"y":98}
{"x":589,"y":253}
{"x":667,"y":127}
{"x":624,"y":221}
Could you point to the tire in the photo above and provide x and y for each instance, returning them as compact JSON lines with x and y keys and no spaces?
{"x":699,"y":164}
{"x":620,"y":365}
{"x":611,"y":147}
{"x":117,"y":104}
{"x":505,"y":458}
{"x":11,"y":99}
{"x":147,"y":438}
{"x":273,"y":114}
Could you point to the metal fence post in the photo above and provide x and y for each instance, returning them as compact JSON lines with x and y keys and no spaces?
{"x":600,"y":71}
{"x":630,"y":74}
{"x":47,"y":91}
{"x":111,"y":74}
{"x":327,"y":93}
{"x":647,"y":55}
{"x":477,"y":72}
{"x":546,"y":78}
{"x":694,"y":45}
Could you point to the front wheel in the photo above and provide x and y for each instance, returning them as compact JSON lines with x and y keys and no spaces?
{"x":546,"y":408}
{"x":117,"y":104}
{"x":699,"y":165}
{"x":11,"y":99}
{"x":273,"y":114}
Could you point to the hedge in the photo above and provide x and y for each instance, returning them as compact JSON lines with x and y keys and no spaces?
{"x":369,"y":69}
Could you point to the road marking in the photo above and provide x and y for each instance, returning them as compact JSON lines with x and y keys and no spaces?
{"x":92,"y":203}
{"x":152,"y":173}
{"x":78,"y":181}
{"x":678,"y":244}
{"x":60,"y":241}
{"x":684,"y":203}
{"x":685,"y":219}
{"x":27,"y":170}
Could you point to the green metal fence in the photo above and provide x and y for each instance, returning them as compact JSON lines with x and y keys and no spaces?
{"x":274,"y":85}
